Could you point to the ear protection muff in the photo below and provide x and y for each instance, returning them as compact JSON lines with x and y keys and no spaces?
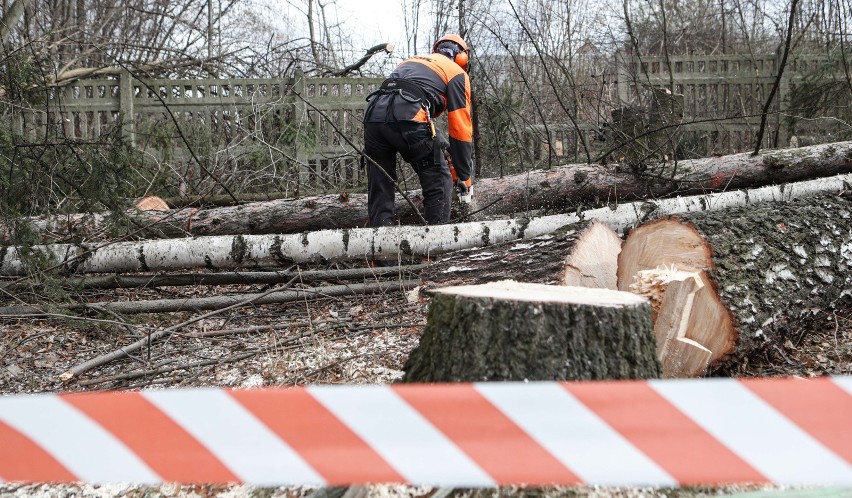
{"x":463,"y":57}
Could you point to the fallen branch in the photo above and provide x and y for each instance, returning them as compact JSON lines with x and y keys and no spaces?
{"x":286,"y":325}
{"x":285,"y":343}
{"x":307,"y":375}
{"x":218,"y":303}
{"x":157,"y":371}
{"x":126,"y":350}
{"x":252,"y":299}
{"x":382,"y":47}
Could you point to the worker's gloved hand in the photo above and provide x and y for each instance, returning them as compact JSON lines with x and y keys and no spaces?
{"x":465,"y":190}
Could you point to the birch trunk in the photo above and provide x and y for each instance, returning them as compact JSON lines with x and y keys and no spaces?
{"x":584,"y":254}
{"x":776,"y":271}
{"x":367,"y":243}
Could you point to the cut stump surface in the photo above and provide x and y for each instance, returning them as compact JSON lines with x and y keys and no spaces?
{"x":513,"y":331}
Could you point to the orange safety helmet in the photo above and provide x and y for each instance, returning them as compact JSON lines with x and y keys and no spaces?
{"x":463,"y":56}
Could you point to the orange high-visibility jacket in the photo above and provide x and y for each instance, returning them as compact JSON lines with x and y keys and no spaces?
{"x":447,"y":87}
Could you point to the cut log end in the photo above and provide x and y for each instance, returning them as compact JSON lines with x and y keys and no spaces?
{"x":692,"y":326}
{"x":583,"y":255}
{"x":664,"y":242}
{"x":688,"y":317}
{"x":151,"y":203}
{"x":594,"y":261}
{"x":652,"y":284}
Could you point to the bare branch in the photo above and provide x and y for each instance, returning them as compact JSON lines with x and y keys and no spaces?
{"x":382,"y":47}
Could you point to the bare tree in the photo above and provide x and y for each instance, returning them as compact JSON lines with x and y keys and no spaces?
{"x":781,"y":66}
{"x":411,"y":20}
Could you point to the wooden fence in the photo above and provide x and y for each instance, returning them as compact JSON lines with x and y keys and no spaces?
{"x":724,"y":96}
{"x":300,"y":128}
{"x":299,"y":122}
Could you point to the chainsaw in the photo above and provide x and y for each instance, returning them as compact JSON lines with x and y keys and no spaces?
{"x":462,"y":191}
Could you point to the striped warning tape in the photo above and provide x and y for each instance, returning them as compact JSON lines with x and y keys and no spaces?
{"x":657,"y":433}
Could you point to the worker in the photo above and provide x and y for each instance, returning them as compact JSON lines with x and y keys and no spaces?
{"x":400,"y":119}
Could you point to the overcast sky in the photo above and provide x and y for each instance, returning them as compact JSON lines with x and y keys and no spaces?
{"x":374,"y":20}
{"x":367,"y":22}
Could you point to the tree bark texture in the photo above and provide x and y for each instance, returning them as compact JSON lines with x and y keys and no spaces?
{"x":118,"y":281}
{"x":267,"y":250}
{"x":515,"y":335}
{"x":543,"y":259}
{"x":367,"y":243}
{"x":542,"y":190}
{"x":781,"y":269}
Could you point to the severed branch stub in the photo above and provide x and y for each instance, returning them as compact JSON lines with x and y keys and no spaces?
{"x":515,"y":331}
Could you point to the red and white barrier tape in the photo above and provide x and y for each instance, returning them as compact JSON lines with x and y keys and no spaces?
{"x":656,"y":433}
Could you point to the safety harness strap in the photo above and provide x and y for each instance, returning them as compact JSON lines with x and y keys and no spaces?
{"x":411,"y":92}
{"x":402,"y":86}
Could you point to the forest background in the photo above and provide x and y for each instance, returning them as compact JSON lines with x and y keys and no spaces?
{"x":554,"y":81}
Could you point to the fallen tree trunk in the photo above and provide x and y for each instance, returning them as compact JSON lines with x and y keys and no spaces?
{"x":218,"y":302}
{"x":368,"y":243}
{"x":584,"y":254}
{"x":671,"y":264}
{"x":117,"y":281}
{"x":556,"y":189}
{"x":763,"y":274}
{"x":513,"y":331}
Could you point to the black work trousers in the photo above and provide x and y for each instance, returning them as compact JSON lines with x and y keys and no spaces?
{"x":413,"y":141}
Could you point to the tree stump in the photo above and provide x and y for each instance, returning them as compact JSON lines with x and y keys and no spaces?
{"x":768,"y":272}
{"x":513,"y":331}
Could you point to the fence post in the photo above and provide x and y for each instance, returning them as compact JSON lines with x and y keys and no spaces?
{"x":783,"y":96}
{"x":300,"y":116}
{"x":622,"y":78}
{"x":17,"y":122}
{"x":125,"y":106}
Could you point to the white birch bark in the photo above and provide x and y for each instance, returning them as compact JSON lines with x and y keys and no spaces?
{"x":217,"y":252}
